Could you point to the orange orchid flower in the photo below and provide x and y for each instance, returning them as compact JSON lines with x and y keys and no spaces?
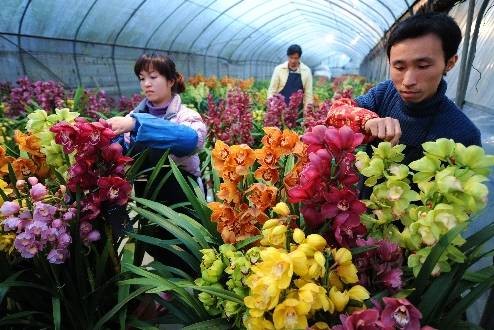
{"x":24,"y":168}
{"x":267,"y":156}
{"x":261,"y":195}
{"x":28,"y":143}
{"x":267,"y":173}
{"x":220,"y":154}
{"x":272,"y":137}
{"x":242,"y":157}
{"x":288,"y":141}
{"x":229,"y":192}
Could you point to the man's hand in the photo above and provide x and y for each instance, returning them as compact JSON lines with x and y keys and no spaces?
{"x":384,"y":128}
{"x":121,"y":125}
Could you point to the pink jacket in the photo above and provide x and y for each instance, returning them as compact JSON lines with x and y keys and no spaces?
{"x":179,"y":114}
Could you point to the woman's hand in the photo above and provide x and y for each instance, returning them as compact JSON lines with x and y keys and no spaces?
{"x":121,"y":125}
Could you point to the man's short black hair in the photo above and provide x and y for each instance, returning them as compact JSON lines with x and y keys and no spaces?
{"x":418,"y":25}
{"x":294,"y":49}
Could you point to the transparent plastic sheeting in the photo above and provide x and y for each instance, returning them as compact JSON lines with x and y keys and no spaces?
{"x":479,"y":93}
{"x":243,"y":38}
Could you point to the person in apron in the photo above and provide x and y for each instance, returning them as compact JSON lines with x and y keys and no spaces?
{"x":291,"y":76}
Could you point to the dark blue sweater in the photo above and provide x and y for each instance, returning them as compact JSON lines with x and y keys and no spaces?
{"x":429,"y":120}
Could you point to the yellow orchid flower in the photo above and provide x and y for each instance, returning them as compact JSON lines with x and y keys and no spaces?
{"x":339,"y":299}
{"x":281,"y":209}
{"x":257,"y":323}
{"x":277,"y":265}
{"x":291,"y":314}
{"x":358,"y":292}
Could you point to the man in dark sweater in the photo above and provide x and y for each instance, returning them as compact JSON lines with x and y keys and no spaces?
{"x":412,"y":106}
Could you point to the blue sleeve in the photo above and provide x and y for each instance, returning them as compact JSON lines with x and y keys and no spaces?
{"x":372,"y":100}
{"x":121,"y":140}
{"x":159,"y":133}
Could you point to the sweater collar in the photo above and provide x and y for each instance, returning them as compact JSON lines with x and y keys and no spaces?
{"x":157,"y":111}
{"x":428,"y":107}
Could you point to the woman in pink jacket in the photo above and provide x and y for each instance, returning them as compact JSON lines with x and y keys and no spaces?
{"x":159,"y":123}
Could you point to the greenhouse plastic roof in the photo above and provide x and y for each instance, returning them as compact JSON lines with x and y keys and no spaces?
{"x":332,"y":33}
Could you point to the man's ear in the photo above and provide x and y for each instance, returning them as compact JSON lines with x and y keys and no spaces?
{"x":450,"y":63}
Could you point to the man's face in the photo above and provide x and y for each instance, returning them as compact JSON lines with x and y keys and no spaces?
{"x":417,"y":66}
{"x":293,"y":60}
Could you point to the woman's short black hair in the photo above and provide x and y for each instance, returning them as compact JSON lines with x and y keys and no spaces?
{"x":164,"y":65}
{"x":418,"y":25}
{"x":294,"y":49}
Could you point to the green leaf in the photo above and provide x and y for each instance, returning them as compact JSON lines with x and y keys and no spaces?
{"x":217,"y":324}
{"x":138,"y":324}
{"x":479,"y":276}
{"x":249,"y":240}
{"x":423,"y":276}
{"x":202,"y":210}
{"x":433,"y":300}
{"x":3,"y":196}
{"x":123,"y":291}
{"x":5,"y":289}
{"x":403,"y":293}
{"x":59,"y":177}
{"x":57,"y":317}
{"x":163,"y":284}
{"x":136,"y":166}
{"x":160,"y":185}
{"x":157,"y":169}
{"x":20,"y":318}
{"x":118,"y":306}
{"x":359,"y":250}
{"x":184,"y":255}
{"x":479,"y":238}
{"x":188,"y":240}
{"x":180,"y":220}
{"x":222,"y":293}
{"x":465,"y":325}
{"x":460,"y":307}
{"x":78,"y":96}
{"x":160,"y":268}
{"x":13,"y":180}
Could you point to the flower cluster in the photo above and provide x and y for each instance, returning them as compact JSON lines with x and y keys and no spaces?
{"x":394,"y":313}
{"x":230,"y":120}
{"x":380,"y":268}
{"x":283,"y":115}
{"x":244,"y":202}
{"x":226,"y":268}
{"x":449,"y":179}
{"x":225,"y":81}
{"x":126,"y":104}
{"x":293,"y":280}
{"x":47,"y":94}
{"x":99,"y":168}
{"x":316,"y":114}
{"x":326,"y":186}
{"x":39,"y":228}
{"x":97,"y":102}
{"x":40,"y":137}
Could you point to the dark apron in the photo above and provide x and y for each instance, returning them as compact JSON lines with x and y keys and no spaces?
{"x":293,"y":84}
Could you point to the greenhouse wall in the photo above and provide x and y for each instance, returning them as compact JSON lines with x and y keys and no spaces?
{"x":479,"y":93}
{"x":103,"y":66}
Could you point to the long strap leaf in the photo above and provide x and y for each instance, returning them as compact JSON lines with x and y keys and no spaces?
{"x":457,"y":311}
{"x":157,"y":169}
{"x":179,"y":233}
{"x":181,"y":220}
{"x":217,"y":324}
{"x":118,"y":306}
{"x":57,"y":317}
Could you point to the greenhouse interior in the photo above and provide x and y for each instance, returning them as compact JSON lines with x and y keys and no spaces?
{"x":246,"y":164}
